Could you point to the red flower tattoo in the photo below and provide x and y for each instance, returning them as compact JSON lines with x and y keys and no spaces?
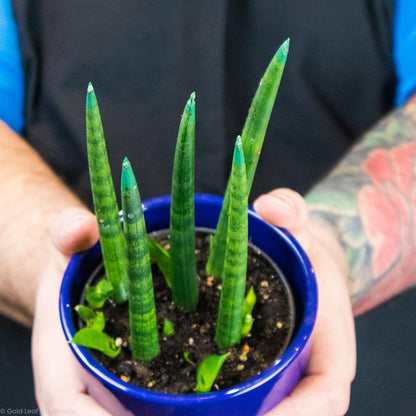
{"x":387,"y":210}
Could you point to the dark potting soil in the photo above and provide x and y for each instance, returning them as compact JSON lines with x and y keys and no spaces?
{"x":194,"y":334}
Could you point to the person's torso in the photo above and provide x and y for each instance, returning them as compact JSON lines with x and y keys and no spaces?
{"x":145,"y":58}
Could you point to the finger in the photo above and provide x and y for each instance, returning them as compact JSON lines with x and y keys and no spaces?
{"x":316,"y":395}
{"x":80,"y":405}
{"x":284,"y":208}
{"x":325,"y":388}
{"x":104,"y":397}
{"x":86,"y":405}
{"x":61,"y":384}
{"x":74,"y":230}
{"x":334,"y":347}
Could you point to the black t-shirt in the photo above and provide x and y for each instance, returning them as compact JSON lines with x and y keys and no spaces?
{"x":144,"y":59}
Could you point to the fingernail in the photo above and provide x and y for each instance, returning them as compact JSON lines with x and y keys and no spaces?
{"x":285,"y":199}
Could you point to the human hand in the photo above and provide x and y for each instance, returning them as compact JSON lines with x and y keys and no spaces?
{"x":62,"y":386}
{"x":324,"y":389}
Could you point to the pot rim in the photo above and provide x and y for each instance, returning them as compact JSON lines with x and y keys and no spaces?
{"x":295,"y":347}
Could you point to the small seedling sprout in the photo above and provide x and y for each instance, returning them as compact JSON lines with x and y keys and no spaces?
{"x":208,"y":371}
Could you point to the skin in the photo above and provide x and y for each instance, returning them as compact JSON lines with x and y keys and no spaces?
{"x":27,"y":179}
{"x":364,"y":206}
{"x":325,"y":387}
{"x":368,"y":203}
{"x":349,"y":283}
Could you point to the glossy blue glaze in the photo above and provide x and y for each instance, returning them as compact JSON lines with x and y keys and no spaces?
{"x":252,"y":398}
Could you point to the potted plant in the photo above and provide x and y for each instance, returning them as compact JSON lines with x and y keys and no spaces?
{"x":126,"y":256}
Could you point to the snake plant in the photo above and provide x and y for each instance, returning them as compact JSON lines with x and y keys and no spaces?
{"x":113,"y":244}
{"x":182,"y":214}
{"x":142,"y":312}
{"x":126,"y":254}
{"x":230,"y":312}
{"x":252,"y":138}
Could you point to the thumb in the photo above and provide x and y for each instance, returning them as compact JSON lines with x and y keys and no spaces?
{"x":75,"y":229}
{"x":285,"y":208}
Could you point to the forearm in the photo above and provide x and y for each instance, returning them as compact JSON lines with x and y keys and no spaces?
{"x":368,"y":204}
{"x":31,"y":197}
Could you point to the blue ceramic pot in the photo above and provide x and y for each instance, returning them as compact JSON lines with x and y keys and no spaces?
{"x":252,"y":398}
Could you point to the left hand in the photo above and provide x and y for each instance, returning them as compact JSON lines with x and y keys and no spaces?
{"x":325,"y":387}
{"x":62,"y":385}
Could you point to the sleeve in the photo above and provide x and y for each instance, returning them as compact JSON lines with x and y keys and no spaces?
{"x":11,"y":72}
{"x":404,"y":49}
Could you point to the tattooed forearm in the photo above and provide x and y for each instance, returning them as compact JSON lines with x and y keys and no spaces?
{"x":369,"y":200}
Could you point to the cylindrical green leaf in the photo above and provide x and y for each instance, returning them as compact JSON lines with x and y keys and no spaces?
{"x":112,"y":240}
{"x":260,"y":110}
{"x":142,"y":311}
{"x":252,"y":138}
{"x":182,"y":214}
{"x":229,"y":321}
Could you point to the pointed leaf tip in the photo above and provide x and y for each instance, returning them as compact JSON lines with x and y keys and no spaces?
{"x":126,"y":162}
{"x":238,"y":152}
{"x":128,"y":179}
{"x":190,"y":107}
{"x":91,"y":98}
{"x":283,"y":50}
{"x":191,"y":104}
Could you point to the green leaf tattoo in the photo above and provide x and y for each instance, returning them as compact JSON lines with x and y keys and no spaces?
{"x":229,"y":321}
{"x":252,"y":137}
{"x":182,"y":214}
{"x":142,"y":311}
{"x":112,"y":241}
{"x":208,"y":371}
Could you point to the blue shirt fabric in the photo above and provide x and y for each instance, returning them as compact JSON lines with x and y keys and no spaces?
{"x":404,"y":49}
{"x":11,"y":72}
{"x":12,"y":78}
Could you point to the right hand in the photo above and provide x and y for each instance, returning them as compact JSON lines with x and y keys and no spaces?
{"x":62,"y":386}
{"x":324,"y":389}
